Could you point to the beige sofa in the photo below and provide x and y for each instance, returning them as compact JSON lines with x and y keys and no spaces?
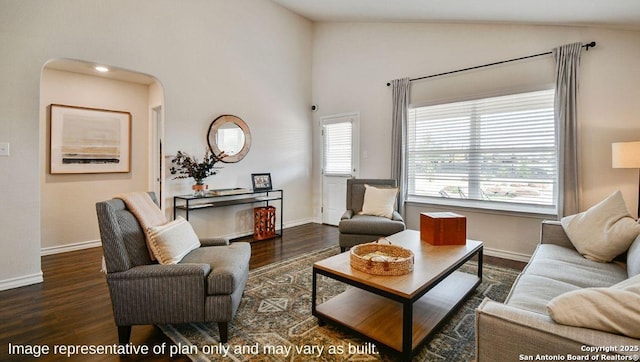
{"x":522,"y":329}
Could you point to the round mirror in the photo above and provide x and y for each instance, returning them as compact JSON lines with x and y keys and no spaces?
{"x":229,"y":134}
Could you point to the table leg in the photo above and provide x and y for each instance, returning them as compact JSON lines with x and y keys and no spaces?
{"x":281,"y":213}
{"x":314,"y":295}
{"x":480,"y":253}
{"x":174,"y":208}
{"x":407,"y":330}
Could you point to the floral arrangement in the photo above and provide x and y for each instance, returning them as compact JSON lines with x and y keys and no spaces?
{"x":188,"y":166}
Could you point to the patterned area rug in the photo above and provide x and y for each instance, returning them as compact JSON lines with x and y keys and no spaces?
{"x":274,"y":321}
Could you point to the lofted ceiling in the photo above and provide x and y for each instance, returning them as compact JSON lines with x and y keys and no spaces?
{"x":607,"y":13}
{"x":624,"y":14}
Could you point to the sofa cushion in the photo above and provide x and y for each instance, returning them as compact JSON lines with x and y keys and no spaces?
{"x":615,"y":309}
{"x":533,"y":292}
{"x":633,"y":258}
{"x":172,"y":241}
{"x":229,"y":266}
{"x":371,"y":225}
{"x":554,"y":270}
{"x":568,"y":266}
{"x":604,"y":231}
{"x":379,"y":201}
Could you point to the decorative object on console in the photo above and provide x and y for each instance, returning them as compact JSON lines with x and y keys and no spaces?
{"x":200,"y":188}
{"x":188,"y":166}
{"x":261,"y":181}
{"x":231,"y":191}
{"x":443,"y":228}
{"x":89,"y":140}
{"x":229,"y":135}
{"x":264,"y":222}
{"x":627,"y":155}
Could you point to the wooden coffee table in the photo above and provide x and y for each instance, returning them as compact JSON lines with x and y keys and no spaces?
{"x":400,"y":312}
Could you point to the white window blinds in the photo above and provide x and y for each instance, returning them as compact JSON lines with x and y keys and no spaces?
{"x":493,"y":149}
{"x":337,"y":139}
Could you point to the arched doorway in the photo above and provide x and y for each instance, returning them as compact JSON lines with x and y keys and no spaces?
{"x":68,"y":220}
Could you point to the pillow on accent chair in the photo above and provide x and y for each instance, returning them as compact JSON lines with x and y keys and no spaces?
{"x":615,"y":309}
{"x":604,"y":231}
{"x":172,"y":241}
{"x":379,"y":201}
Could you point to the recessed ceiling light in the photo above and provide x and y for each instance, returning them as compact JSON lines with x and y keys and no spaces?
{"x":102,"y":69}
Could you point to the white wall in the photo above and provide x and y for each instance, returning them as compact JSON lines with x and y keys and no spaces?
{"x":68,"y":201}
{"x":354,"y":61}
{"x":250,"y":58}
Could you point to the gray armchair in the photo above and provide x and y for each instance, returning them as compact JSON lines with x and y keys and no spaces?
{"x":206,"y":286}
{"x":357,"y":229}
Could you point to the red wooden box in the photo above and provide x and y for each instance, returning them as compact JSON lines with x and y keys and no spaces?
{"x":443,"y":228}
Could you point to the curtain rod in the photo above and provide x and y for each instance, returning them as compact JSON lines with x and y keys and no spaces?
{"x":586,"y":46}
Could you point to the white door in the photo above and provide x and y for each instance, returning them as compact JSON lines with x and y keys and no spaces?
{"x":339,"y":162}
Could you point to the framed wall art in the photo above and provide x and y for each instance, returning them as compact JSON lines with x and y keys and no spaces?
{"x":261,"y":181}
{"x":89,"y":140}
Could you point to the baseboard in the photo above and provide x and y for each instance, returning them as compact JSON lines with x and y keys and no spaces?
{"x":95,"y":243}
{"x":286,"y":225}
{"x":70,"y":247}
{"x":504,"y":254}
{"x":299,"y":222}
{"x":21,"y":281}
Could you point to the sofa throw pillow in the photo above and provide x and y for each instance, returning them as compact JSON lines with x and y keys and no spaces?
{"x":379,"y":201}
{"x":615,"y":309}
{"x":172,"y":241}
{"x":633,"y":258}
{"x":604,"y":231}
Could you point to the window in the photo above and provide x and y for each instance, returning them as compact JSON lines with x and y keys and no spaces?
{"x":498,"y":152}
{"x":337,"y":148}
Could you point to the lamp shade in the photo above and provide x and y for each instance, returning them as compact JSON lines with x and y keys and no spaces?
{"x":625,"y":154}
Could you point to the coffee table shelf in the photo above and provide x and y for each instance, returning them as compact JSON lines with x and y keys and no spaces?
{"x":382,"y":317}
{"x":400,"y":312}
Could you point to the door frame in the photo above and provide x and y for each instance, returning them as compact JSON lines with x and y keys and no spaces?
{"x":355,"y":150}
{"x":156,"y":153}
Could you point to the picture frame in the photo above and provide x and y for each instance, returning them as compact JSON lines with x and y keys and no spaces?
{"x":261,"y":181}
{"x":89,"y":140}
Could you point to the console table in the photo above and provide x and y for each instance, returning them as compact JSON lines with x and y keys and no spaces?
{"x":226,"y":197}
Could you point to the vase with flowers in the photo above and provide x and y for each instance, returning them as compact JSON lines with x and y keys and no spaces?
{"x":187,"y":166}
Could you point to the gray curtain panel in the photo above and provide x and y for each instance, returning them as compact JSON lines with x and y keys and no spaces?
{"x":400,"y":94}
{"x":567,"y":58}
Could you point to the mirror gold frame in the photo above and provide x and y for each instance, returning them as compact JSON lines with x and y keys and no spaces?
{"x":219,"y":123}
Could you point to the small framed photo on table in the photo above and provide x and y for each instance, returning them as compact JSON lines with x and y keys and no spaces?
{"x":261,"y":181}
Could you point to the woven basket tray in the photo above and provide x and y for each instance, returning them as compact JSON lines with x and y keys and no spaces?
{"x":381,"y":259}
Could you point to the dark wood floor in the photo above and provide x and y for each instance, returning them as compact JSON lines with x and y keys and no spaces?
{"x":72,"y":305}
